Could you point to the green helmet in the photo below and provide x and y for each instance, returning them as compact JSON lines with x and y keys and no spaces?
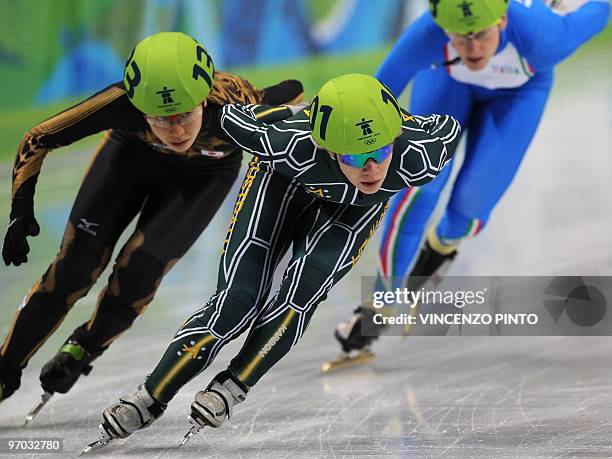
{"x":168,"y":73}
{"x":467,"y":16}
{"x":354,"y":114}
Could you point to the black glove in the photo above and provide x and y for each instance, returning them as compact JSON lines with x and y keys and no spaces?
{"x":285,"y":92}
{"x":22,"y":224}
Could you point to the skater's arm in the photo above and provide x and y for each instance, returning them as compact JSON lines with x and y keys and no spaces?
{"x":110,"y":108}
{"x":429,"y":144}
{"x":232,"y":89}
{"x":445,"y":133}
{"x":419,"y":46}
{"x":268,"y":114}
{"x":250,"y":127}
{"x":547,"y":38}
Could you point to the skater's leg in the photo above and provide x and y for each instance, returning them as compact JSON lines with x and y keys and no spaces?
{"x":95,"y":223}
{"x":500,"y":132}
{"x":433,"y":92}
{"x":174,"y":215}
{"x":259,"y":234}
{"x":403,"y":231}
{"x":172,"y":219}
{"x":329,"y":239}
{"x":331,"y":242}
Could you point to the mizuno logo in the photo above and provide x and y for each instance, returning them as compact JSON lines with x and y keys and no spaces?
{"x":88,"y":227}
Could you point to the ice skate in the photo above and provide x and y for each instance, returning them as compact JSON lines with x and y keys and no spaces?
{"x":350,"y":359}
{"x":44,"y":399}
{"x":355,"y":337}
{"x":213,"y":405}
{"x":133,"y":412}
{"x":61,"y":373}
{"x":357,"y":334}
{"x":435,"y":259}
{"x":104,"y":439}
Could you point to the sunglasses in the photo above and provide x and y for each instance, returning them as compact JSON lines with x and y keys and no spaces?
{"x":360,"y":160}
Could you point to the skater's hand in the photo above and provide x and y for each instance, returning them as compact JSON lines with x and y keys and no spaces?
{"x":16,"y":248}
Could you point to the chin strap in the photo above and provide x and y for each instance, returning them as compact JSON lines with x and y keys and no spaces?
{"x":454,"y":61}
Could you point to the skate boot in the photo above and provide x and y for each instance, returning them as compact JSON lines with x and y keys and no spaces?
{"x":433,"y":263}
{"x":355,"y":337}
{"x":358,"y":332}
{"x":61,"y":372}
{"x":10,"y":379}
{"x":133,"y":412}
{"x":215,"y":404}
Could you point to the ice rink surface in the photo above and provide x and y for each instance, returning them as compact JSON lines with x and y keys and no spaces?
{"x":422,"y":396}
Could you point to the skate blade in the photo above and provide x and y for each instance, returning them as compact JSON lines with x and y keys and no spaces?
{"x":45,"y":397}
{"x":100,"y":443}
{"x":195,"y":429}
{"x":348,"y":361}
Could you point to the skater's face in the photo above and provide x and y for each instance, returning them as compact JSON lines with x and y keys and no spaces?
{"x":476,"y":50}
{"x":369,"y":178}
{"x":178,"y":132}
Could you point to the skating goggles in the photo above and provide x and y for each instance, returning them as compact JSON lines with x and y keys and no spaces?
{"x":182,"y":120}
{"x":360,"y":160}
{"x":483,"y":35}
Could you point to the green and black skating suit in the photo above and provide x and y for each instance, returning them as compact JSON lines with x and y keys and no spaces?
{"x":293,"y":193}
{"x":132,"y":173}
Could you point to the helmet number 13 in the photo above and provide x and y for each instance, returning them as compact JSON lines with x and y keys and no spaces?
{"x":199,"y":72}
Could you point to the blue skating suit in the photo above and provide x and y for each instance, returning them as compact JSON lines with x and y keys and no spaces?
{"x":500,"y":107}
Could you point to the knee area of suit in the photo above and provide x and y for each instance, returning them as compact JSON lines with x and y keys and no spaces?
{"x":238,"y":302}
{"x":458,"y":216}
{"x":67,"y":279}
{"x":314,"y":273}
{"x":227,"y":311}
{"x":456,"y":223}
{"x":137,"y":279}
{"x":76,"y":269}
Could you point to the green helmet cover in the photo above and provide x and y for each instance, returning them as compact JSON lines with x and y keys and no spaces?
{"x":467,"y":16}
{"x":354,"y":114}
{"x":168,"y":73}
